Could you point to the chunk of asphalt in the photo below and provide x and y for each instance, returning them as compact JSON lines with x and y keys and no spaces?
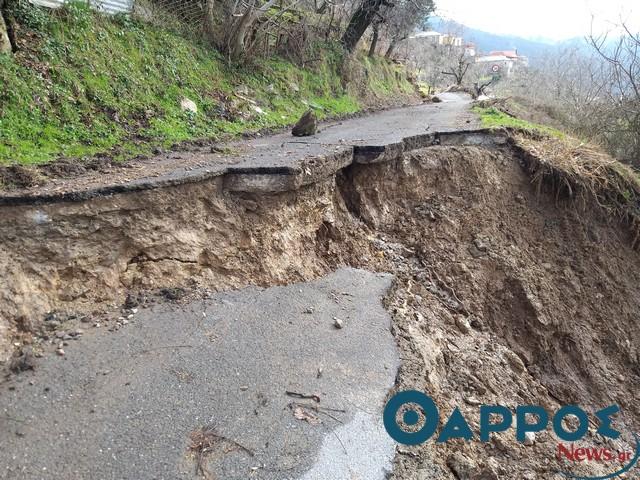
{"x":133,"y":403}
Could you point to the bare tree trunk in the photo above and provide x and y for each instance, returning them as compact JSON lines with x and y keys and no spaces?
{"x":209,"y":20}
{"x":360,"y":21}
{"x":391,"y":48}
{"x":5,"y":43}
{"x":237,"y":38}
{"x":374,"y":40}
{"x":236,"y":43}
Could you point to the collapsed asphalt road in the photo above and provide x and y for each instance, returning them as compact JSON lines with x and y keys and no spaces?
{"x":281,"y":153}
{"x":133,"y":404}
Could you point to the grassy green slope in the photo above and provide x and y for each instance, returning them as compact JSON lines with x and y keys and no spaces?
{"x":84,"y":84}
{"x":492,"y":117}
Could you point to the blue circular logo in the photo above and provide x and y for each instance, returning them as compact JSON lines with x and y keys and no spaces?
{"x":411,"y":417}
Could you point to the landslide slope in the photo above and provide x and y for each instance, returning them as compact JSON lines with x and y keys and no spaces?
{"x":517,"y":280}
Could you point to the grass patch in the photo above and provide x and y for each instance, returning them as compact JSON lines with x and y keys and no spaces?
{"x":84,"y":84}
{"x":492,"y":117}
{"x":583,"y":172}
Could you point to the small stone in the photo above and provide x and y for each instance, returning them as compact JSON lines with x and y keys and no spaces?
{"x":308,"y":310}
{"x":134,"y":311}
{"x":529,"y":438}
{"x":515,"y":361}
{"x":480,"y":244}
{"x":529,"y":475}
{"x":53,"y":324}
{"x":473,"y":401}
{"x":520,"y":198}
{"x":244,"y":388}
{"x":188,"y":105}
{"x":463,"y":325}
{"x":96,"y":325}
{"x":338,"y":323}
{"x":60,"y":352}
{"x":477,"y":323}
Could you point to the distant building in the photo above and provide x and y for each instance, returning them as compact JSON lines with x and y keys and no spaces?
{"x":470,"y":50}
{"x":502,"y":62}
{"x":447,"y":39}
{"x":431,"y":37}
{"x":437,"y":38}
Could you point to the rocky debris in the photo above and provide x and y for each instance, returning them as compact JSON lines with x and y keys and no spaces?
{"x":22,"y":361}
{"x":338,"y":323}
{"x":518,"y":302}
{"x":461,"y":466}
{"x":173,"y":294}
{"x":306,"y":126}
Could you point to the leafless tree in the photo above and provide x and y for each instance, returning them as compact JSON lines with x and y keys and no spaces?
{"x":459,"y":66}
{"x":401,"y":20}
{"x":237,"y":20}
{"x":623,"y":90}
{"x":592,"y":89}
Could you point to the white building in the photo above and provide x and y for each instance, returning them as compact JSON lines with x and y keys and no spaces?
{"x":502,"y":62}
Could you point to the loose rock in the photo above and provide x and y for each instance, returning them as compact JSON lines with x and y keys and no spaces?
{"x":306,"y":126}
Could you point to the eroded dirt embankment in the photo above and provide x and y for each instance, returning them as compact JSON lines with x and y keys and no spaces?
{"x":502,"y":295}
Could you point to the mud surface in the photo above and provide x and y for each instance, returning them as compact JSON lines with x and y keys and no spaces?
{"x":503,"y":295}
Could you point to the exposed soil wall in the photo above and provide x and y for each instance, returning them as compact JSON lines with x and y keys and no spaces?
{"x":502,"y":295}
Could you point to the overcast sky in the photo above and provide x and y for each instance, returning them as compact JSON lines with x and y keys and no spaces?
{"x":551,"y":19}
